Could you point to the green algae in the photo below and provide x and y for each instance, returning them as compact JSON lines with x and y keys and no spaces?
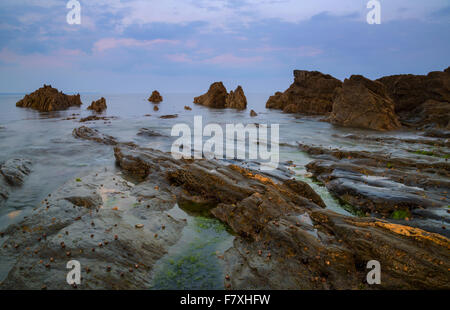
{"x":400,"y":214}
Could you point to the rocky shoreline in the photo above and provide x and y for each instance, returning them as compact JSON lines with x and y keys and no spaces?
{"x":119,"y":222}
{"x":285,"y":238}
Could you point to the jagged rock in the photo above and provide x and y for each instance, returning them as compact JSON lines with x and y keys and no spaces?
{"x":236,"y":99}
{"x":421,"y":100}
{"x":409,"y":91}
{"x":215,"y":97}
{"x":47,"y":99}
{"x":253,"y":113}
{"x":155,"y":97}
{"x":187,"y":108}
{"x":98,"y":106}
{"x":364,"y":103}
{"x":312,"y":93}
{"x":12,"y":174}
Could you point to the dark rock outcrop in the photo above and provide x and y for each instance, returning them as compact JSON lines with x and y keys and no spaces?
{"x":215,"y":97}
{"x":155,"y":97}
{"x":253,"y":113}
{"x":236,"y":99}
{"x":169,"y":116}
{"x":187,"y":108}
{"x":218,"y":97}
{"x":12,"y":174}
{"x":311,"y":93}
{"x":363,"y":103}
{"x":98,"y":106}
{"x":421,"y":100}
{"x":47,"y":99}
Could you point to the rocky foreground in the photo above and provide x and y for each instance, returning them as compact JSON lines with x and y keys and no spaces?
{"x":285,"y":237}
{"x":48,"y":99}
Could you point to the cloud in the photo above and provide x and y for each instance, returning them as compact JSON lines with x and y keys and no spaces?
{"x":113,"y":43}
{"x":59,"y":58}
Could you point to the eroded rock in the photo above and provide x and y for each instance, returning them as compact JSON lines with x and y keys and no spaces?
{"x":421,"y":100}
{"x":236,"y":99}
{"x":155,"y":97}
{"x":47,"y":99}
{"x":218,"y":97}
{"x":98,"y":106}
{"x":363,"y":103}
{"x":311,"y":93}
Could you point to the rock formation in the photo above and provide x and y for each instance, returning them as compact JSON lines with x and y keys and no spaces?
{"x":98,"y":106}
{"x":218,"y":97}
{"x":421,"y":100}
{"x":155,"y":97}
{"x":215,"y":97}
{"x":253,"y":113}
{"x":187,"y":108}
{"x":236,"y":99}
{"x":311,"y":93}
{"x":363,"y":103}
{"x":12,"y":174}
{"x":47,"y":99}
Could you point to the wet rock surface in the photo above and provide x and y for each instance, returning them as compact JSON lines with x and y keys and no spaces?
{"x":311,"y":93}
{"x":287,"y":241}
{"x":87,"y":133}
{"x":363,"y":103}
{"x":409,"y":191}
{"x":218,"y":97}
{"x":12,"y":174}
{"x":47,"y":99}
{"x":93,"y":220}
{"x":285,"y":238}
{"x":155,"y":97}
{"x":93,"y":118}
{"x":98,"y":105}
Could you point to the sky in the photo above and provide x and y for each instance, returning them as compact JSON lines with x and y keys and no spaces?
{"x":136,"y":46}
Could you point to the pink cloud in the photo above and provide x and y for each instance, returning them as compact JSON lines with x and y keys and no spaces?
{"x":111,"y":43}
{"x":59,"y":58}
